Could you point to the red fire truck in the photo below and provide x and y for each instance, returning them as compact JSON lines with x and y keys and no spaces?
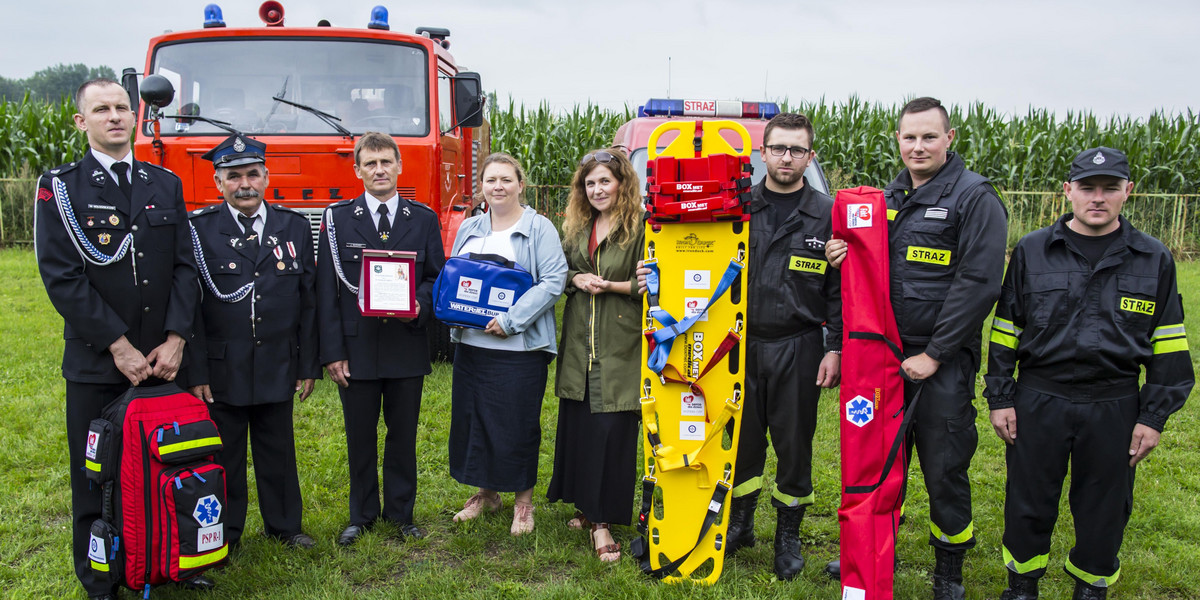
{"x":306,"y":92}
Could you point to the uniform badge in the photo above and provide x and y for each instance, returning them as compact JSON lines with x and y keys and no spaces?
{"x":197,"y":211}
{"x":937,"y":213}
{"x":91,"y":222}
{"x":114,"y":220}
{"x":358,"y":211}
{"x":272,"y":241}
{"x":142,"y":173}
{"x":814,"y":243}
{"x":1098,"y":158}
{"x":406,"y":211}
{"x":45,"y":194}
{"x":98,"y":177}
{"x":279,"y":265}
{"x":232,"y":265}
{"x":233,"y":241}
{"x":239,"y":145}
{"x":383,"y":236}
{"x":104,"y":239}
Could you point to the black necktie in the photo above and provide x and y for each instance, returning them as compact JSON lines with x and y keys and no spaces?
{"x":385,"y":226}
{"x":122,"y":171}
{"x":248,"y":226}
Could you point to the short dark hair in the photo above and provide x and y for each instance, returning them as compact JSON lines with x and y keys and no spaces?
{"x":375,"y":141}
{"x":789,"y":121}
{"x":87,"y":84}
{"x":922,"y":104}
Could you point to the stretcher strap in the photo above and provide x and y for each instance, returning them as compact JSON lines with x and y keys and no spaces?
{"x":669,"y":458}
{"x":641,"y":548}
{"x":673,"y":374}
{"x":664,"y":338}
{"x":910,"y":411}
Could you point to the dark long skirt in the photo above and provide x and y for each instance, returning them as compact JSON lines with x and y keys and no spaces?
{"x":495,"y":426}
{"x":595,"y":462}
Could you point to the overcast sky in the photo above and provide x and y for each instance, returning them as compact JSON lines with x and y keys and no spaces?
{"x":1109,"y":56}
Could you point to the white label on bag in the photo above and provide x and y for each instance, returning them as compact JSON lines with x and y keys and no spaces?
{"x":858,"y":215}
{"x":96,"y":550}
{"x":92,"y":443}
{"x":851,"y":593}
{"x":696,"y":280}
{"x":210,"y":538}
{"x":692,"y":405}
{"x":695,"y":306}
{"x":691,"y":430}
{"x":501,"y":297}
{"x":469,"y":289}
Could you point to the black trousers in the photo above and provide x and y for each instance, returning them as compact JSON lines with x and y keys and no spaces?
{"x":273,"y":443}
{"x":85,"y":401}
{"x":400,"y":400}
{"x":781,"y":400}
{"x":1093,"y":439}
{"x":945,"y":438}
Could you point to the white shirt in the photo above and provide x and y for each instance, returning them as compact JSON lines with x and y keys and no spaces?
{"x":107,"y":162}
{"x":260,"y":217}
{"x":373,"y":203}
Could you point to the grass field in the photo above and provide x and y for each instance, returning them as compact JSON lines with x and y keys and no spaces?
{"x":480,"y":559}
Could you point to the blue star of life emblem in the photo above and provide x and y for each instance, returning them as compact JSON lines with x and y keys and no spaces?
{"x":207,"y":511}
{"x":860,"y":411}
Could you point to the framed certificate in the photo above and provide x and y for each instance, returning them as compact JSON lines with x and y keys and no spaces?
{"x":387,"y":286}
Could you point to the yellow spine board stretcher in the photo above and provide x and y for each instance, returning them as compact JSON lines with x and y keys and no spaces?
{"x":690,"y":469}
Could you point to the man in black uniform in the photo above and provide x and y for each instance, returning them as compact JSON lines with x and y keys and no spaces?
{"x":256,"y":340}
{"x":791,"y":293}
{"x":947,"y":236}
{"x":1086,"y":303}
{"x":114,"y":253}
{"x":378,"y":362}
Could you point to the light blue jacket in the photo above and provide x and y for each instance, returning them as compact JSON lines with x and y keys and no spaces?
{"x":539,"y":251}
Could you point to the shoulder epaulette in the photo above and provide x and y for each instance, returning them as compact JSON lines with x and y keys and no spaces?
{"x":416,"y":204}
{"x":204,"y":211}
{"x":346,"y":202}
{"x":59,"y":170}
{"x":159,"y":167}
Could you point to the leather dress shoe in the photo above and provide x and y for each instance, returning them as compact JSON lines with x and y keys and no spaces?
{"x":351,"y":534}
{"x":410,"y":532}
{"x":300,"y":540}
{"x":199,"y":582}
{"x":103,"y":597}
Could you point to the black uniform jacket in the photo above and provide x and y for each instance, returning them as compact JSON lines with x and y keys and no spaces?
{"x":1085,"y":334}
{"x":145,"y":295}
{"x":947,"y":241}
{"x":256,"y":359}
{"x":792,"y":289}
{"x":376,"y":347}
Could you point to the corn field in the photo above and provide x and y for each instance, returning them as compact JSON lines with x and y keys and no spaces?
{"x":1027,"y":156}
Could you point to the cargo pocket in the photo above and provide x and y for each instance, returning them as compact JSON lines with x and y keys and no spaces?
{"x":105,"y":556}
{"x":99,"y":456}
{"x":1048,"y":299}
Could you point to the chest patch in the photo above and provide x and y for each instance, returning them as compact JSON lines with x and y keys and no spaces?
{"x":934,"y":256}
{"x":1146,"y":307}
{"x":808,"y":265}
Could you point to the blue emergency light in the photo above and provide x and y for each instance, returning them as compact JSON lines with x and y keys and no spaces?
{"x":379,"y":18}
{"x":664,"y":107}
{"x":213,"y":16}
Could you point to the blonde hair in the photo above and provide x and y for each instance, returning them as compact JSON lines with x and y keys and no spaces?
{"x":626,"y":208}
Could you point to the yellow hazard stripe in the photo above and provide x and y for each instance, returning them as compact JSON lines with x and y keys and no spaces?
{"x":1004,"y":339}
{"x":1091,"y":578}
{"x":200,"y":560}
{"x":168,"y":449}
{"x":793,"y":501}
{"x":1168,"y":331}
{"x":1170,"y":345}
{"x":748,"y":486}
{"x":99,"y":566}
{"x":91,"y":465}
{"x":892,"y":214}
{"x":957,"y":538}
{"x":1038,"y":562}
{"x":1006,"y":326}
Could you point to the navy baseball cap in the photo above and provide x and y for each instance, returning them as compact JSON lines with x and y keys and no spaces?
{"x":235,"y":151}
{"x":1099,"y":161}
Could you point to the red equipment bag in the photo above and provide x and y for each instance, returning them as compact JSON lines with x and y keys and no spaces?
{"x":872,"y":400}
{"x":163,"y":494}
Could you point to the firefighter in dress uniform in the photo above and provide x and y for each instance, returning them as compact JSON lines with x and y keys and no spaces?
{"x":947,"y":233}
{"x":378,"y":363}
{"x":256,"y":337}
{"x":114,"y":253}
{"x":1087,"y":303}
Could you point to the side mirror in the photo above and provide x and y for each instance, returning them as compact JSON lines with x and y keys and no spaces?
{"x":130,"y":83}
{"x":157,"y":91}
{"x":468,"y":99}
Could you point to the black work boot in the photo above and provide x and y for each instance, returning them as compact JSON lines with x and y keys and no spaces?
{"x":834,"y":568}
{"x":1020,"y":587}
{"x":740,"y":533}
{"x":947,"y":575}
{"x":788,"y":560}
{"x":1084,"y":591}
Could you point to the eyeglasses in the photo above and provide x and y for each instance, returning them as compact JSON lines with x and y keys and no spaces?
{"x":603,"y":157}
{"x":797,"y":151}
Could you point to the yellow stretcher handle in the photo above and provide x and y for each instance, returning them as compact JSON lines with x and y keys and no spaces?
{"x":712,"y":142}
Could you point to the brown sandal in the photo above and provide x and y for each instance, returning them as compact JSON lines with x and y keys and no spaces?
{"x":579,"y":521}
{"x":607,"y":549}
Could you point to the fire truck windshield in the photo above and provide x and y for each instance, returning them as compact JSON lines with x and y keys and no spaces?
{"x":367,"y":86}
